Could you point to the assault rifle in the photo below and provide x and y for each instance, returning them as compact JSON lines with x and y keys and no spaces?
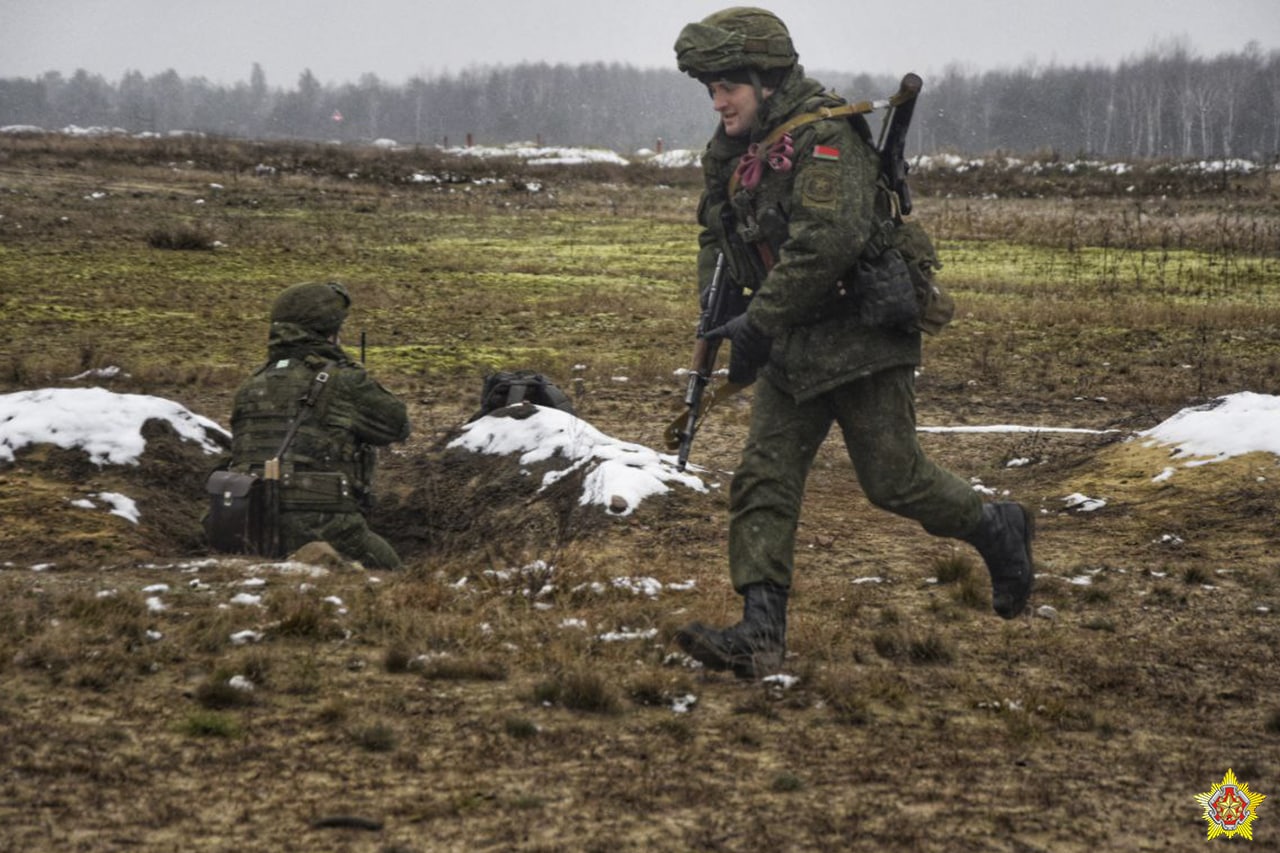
{"x":681,"y":431}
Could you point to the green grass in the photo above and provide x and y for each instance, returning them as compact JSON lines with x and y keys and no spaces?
{"x":1048,"y":272}
{"x":210,"y":724}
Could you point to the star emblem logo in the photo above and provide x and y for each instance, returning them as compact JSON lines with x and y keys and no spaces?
{"x":1230,"y":808}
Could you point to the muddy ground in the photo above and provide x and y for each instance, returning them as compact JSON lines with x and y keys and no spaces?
{"x":511,"y":689}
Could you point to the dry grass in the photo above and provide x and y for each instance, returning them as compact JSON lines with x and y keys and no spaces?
{"x":482,"y":699}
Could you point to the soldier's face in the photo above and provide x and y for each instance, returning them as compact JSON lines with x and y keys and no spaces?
{"x":737,"y":105}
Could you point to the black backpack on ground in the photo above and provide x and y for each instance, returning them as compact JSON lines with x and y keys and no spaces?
{"x":511,"y":387}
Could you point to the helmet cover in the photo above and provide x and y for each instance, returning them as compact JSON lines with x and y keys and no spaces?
{"x":734,"y":39}
{"x":318,"y":306}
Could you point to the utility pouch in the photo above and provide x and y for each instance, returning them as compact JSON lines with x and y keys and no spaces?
{"x":317,"y":491}
{"x":233,"y":524}
{"x":367,"y":464}
{"x":936,"y":307}
{"x":884,"y":294}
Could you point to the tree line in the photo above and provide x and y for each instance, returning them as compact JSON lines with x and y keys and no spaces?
{"x":1166,"y":103}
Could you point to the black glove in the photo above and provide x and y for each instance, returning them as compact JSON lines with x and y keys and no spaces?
{"x":750,"y":348}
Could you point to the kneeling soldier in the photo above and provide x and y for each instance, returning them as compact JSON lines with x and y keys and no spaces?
{"x":337,"y":415}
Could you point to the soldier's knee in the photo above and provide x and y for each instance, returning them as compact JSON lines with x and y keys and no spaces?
{"x":891,"y":493}
{"x":379,"y":553}
{"x":385,"y":558}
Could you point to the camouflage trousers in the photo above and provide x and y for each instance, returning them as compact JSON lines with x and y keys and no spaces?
{"x":347,"y":532}
{"x":877,"y":417}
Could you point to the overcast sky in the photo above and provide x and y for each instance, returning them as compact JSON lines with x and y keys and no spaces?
{"x":339,"y":40}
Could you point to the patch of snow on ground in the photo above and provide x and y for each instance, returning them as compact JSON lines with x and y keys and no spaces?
{"x":1228,"y":426}
{"x":618,"y":475}
{"x":106,"y":425}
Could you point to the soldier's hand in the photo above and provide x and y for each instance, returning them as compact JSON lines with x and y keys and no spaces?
{"x":750,"y":348}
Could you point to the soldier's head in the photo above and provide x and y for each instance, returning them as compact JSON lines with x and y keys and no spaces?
{"x":320,"y":307}
{"x":741,"y":54}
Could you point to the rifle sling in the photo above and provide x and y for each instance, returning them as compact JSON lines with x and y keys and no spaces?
{"x":308,"y":403}
{"x":880,"y":236}
{"x":809,"y":118}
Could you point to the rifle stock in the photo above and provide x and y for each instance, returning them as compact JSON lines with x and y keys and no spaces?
{"x":893,"y":162}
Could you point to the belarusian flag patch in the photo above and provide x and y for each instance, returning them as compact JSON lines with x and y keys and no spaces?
{"x":825,"y":152}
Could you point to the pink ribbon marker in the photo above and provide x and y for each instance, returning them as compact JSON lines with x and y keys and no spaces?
{"x":751,"y":167}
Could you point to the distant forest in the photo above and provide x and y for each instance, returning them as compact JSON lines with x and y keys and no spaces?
{"x":1166,"y":103}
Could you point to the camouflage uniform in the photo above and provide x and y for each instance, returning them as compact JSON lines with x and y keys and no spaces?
{"x":792,"y":236}
{"x":825,"y":366}
{"x":327,"y":473}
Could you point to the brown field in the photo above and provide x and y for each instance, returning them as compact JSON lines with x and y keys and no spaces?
{"x":415,"y":712}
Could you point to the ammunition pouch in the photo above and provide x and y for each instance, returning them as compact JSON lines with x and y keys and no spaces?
{"x":237,"y":512}
{"x":317,"y":491}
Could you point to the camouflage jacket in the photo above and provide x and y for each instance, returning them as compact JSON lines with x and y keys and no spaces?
{"x":352,"y":416}
{"x":815,"y":219}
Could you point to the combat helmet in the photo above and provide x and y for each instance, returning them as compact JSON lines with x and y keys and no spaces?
{"x":738,"y":39}
{"x":317,"y":306}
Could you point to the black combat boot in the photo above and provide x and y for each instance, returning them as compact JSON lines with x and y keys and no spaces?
{"x":1003,"y":538}
{"x":755,"y":646}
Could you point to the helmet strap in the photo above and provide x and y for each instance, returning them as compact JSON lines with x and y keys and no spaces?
{"x":760,"y":96}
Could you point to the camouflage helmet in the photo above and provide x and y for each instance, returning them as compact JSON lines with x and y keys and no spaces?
{"x":318,"y":306}
{"x":735,"y":39}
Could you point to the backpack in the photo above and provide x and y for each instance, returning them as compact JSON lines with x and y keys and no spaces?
{"x":511,"y":387}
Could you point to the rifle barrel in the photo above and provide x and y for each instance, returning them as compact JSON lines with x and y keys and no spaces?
{"x":704,"y":359}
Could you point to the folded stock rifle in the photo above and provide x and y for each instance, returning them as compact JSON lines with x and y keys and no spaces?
{"x":679,"y":434}
{"x":893,"y":167}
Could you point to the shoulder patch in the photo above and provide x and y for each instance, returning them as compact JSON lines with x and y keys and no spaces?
{"x":819,"y":186}
{"x":826,"y":152}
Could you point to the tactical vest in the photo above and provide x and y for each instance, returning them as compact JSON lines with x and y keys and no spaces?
{"x":324,"y":469}
{"x":764,"y":232}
